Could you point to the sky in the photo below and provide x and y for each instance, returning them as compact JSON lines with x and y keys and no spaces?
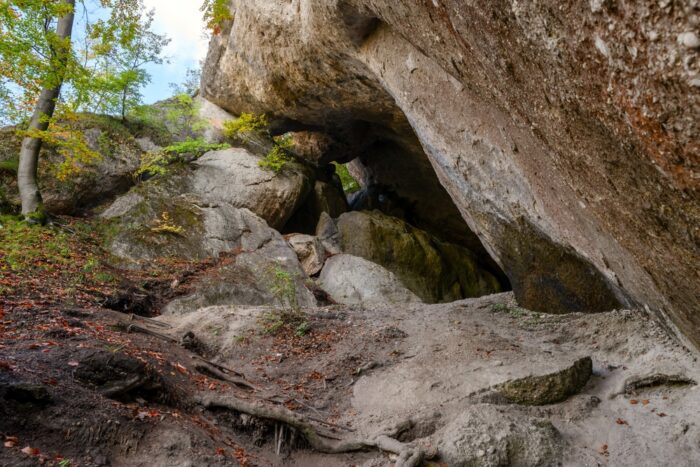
{"x":182,"y":22}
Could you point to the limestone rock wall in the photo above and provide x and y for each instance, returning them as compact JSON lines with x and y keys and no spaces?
{"x":565,"y":132}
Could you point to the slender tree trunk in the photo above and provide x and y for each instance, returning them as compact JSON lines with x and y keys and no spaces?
{"x":29,"y":154}
{"x":124,"y":103}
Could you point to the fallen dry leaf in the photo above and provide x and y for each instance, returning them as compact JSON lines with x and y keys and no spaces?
{"x":10,"y":441}
{"x":634,"y":402}
{"x":30,"y":451}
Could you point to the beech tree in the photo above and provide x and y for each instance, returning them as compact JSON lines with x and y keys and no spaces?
{"x":101,"y":70}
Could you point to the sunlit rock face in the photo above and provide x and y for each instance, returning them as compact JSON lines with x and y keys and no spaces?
{"x":564,"y":132}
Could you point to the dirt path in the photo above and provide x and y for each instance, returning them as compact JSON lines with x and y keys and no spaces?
{"x":433,"y":370}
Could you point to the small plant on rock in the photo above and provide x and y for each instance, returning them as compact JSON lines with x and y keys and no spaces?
{"x":279,"y":155}
{"x":245,"y":124}
{"x":165,"y":226}
{"x":284,"y":288}
{"x":350,"y":185}
{"x":248,"y":125}
{"x":156,"y":163}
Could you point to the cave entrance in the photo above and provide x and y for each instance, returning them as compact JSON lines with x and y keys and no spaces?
{"x":394,"y":178}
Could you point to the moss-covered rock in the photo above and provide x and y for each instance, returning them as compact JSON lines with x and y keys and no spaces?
{"x":550,"y":388}
{"x":434,"y":270}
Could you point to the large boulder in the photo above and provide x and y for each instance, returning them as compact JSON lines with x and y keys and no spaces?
{"x":200,"y":210}
{"x":565,"y":134}
{"x":92,"y":182}
{"x":269,"y":275}
{"x":352,"y":280}
{"x":434,"y":270}
{"x":221,"y":201}
{"x":234,"y":176}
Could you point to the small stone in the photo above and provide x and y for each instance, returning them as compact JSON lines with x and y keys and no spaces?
{"x":689,"y":40}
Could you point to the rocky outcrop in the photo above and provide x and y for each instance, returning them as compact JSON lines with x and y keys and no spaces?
{"x":564,"y":135}
{"x":352,"y":280}
{"x":200,"y":210}
{"x":221,"y":201}
{"x":233,"y":176}
{"x":434,"y":270}
{"x":269,"y":275}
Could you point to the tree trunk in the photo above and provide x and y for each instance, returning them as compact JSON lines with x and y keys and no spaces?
{"x":29,"y":154}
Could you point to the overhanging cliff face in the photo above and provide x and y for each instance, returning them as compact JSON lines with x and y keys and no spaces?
{"x":566,"y":135}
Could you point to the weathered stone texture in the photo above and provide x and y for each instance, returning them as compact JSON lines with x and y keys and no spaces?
{"x":566,"y":130}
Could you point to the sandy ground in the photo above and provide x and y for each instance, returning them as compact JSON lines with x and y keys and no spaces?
{"x":369,"y":369}
{"x":435,"y":370}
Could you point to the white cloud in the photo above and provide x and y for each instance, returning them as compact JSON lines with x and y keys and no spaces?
{"x":182,"y":22}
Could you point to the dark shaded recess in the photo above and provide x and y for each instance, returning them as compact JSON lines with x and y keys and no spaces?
{"x":306,"y":218}
{"x":359,"y":23}
{"x":550,"y":277}
{"x":399,"y":180}
{"x":121,"y":377}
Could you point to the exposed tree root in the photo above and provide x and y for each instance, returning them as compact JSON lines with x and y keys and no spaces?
{"x":409,"y":455}
{"x":150,"y":332}
{"x":212,"y":372}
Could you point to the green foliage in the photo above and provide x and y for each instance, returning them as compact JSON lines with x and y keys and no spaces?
{"x":27,"y":248}
{"x":283,"y":287}
{"x":165,"y":226}
{"x":302,"y":329}
{"x":278,"y":156}
{"x":515,"y":312}
{"x":196,"y":147}
{"x":101,"y":69}
{"x":350,"y":185}
{"x":215,"y":13}
{"x":9,"y":166}
{"x":66,"y":136}
{"x":156,"y":163}
{"x":246,"y":123}
{"x":24,"y":245}
{"x":294,"y":320}
{"x":173,"y":119}
{"x":250,"y":124}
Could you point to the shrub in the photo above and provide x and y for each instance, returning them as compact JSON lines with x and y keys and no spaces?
{"x":196,"y":147}
{"x":246,"y":123}
{"x":165,"y":226}
{"x":156,"y":163}
{"x":350,"y":185}
{"x":279,"y":155}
